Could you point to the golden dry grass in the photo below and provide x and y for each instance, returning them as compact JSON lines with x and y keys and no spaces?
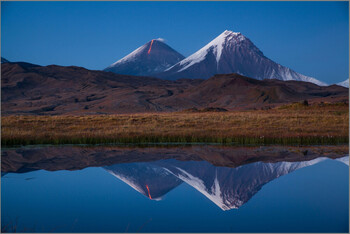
{"x":291,"y":124}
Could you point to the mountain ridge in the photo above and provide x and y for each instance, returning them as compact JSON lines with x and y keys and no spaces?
{"x":51,"y":90}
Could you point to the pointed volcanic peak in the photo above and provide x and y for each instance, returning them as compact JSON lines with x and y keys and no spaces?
{"x":153,"y":57}
{"x":232,"y":52}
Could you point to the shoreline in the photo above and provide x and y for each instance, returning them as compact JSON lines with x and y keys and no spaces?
{"x":70,"y":157}
{"x":168,"y":145}
{"x":142,"y":142}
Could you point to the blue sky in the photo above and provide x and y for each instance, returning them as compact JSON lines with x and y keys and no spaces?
{"x":310,"y":37}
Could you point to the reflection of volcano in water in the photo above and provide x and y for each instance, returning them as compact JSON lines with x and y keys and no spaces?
{"x":344,"y":160}
{"x":146,"y":178}
{"x":227,"y":187}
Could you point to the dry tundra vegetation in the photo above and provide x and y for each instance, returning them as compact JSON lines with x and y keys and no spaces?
{"x":290,"y":124}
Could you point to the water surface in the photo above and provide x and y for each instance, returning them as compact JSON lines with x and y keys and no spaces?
{"x":189,"y":189}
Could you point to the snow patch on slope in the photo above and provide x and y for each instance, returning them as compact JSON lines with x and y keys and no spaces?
{"x":226,"y":201}
{"x":214,"y":194}
{"x":216,"y":45}
{"x":344,"y":160}
{"x":131,"y":183}
{"x":344,"y":83}
{"x":129,"y":57}
{"x":249,"y":58}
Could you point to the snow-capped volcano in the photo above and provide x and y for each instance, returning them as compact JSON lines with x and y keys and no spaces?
{"x":232,"y":52}
{"x":153,"y":57}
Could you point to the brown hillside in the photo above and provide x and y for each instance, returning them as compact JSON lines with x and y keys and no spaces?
{"x":53,"y":90}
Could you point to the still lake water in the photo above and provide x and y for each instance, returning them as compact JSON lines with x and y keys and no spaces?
{"x":184,"y":190}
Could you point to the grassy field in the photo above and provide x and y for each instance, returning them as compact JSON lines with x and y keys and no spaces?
{"x":291,"y":124}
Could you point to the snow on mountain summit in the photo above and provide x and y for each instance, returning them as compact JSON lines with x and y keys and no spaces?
{"x":153,"y":57}
{"x":217,"y":44}
{"x":232,"y":52}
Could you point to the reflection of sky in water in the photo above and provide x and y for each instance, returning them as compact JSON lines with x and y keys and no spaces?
{"x":307,"y":197}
